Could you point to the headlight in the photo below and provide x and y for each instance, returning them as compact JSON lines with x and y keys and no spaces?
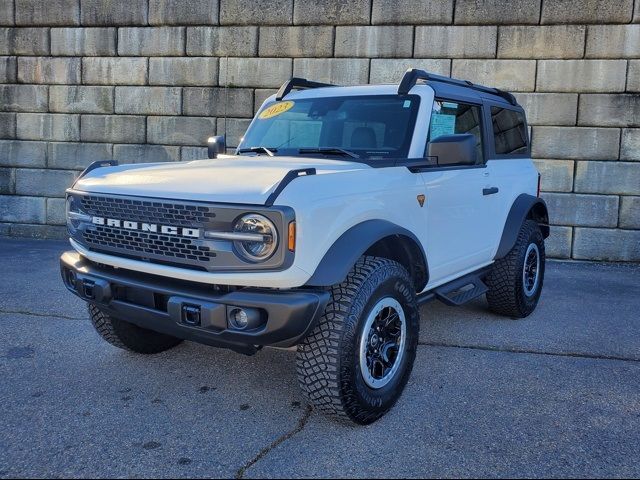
{"x":266,"y":234}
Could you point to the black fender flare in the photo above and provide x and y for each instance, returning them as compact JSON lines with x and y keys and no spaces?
{"x":351,"y":245}
{"x":524,"y":206}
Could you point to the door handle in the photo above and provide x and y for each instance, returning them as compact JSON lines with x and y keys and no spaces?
{"x":489,"y":191}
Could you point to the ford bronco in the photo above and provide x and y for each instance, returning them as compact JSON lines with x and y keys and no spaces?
{"x":343,"y":210}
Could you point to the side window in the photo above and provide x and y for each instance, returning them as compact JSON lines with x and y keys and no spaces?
{"x":448,"y":118}
{"x":509,"y":131}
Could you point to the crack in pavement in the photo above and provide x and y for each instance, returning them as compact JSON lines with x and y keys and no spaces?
{"x":530,"y":352}
{"x":36,"y":314}
{"x":278,"y":441}
{"x":423,"y":344}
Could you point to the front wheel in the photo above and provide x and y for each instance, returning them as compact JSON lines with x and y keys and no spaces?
{"x":515,"y":281}
{"x":128,"y":336}
{"x":357,"y":361}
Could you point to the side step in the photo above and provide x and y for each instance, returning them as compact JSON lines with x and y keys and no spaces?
{"x":459,"y":291}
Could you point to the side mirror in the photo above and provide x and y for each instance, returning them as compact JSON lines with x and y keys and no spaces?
{"x":458,"y":149}
{"x":215,"y":146}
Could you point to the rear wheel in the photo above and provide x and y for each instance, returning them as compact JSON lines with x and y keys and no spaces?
{"x":357,"y":361}
{"x":128,"y":336}
{"x":515,"y":281}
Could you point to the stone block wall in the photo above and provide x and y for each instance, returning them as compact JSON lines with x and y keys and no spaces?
{"x":144,"y":80}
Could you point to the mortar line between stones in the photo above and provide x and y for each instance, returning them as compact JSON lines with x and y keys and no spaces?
{"x":184,"y":42}
{"x":413,"y":43}
{"x":302,"y":423}
{"x":529,"y":352}
{"x":334,"y":37}
{"x":620,"y":130}
{"x":257,"y":50}
{"x":619,"y":158}
{"x":619,"y":211}
{"x":540,"y":13}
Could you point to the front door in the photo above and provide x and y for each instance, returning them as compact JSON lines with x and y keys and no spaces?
{"x":459,"y":205}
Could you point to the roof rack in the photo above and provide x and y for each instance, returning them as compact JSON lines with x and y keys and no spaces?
{"x":413,"y":75}
{"x":296,"y":83}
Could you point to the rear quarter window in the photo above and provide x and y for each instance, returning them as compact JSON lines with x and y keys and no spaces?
{"x":509,"y":132}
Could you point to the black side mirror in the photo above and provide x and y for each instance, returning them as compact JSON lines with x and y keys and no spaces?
{"x":458,"y":149}
{"x":215,"y":146}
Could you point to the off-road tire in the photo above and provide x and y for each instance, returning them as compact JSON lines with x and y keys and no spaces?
{"x":128,"y":336}
{"x":506,"y":295}
{"x":328,"y":360}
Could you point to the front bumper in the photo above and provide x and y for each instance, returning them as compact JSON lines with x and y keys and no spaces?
{"x":159,"y":304}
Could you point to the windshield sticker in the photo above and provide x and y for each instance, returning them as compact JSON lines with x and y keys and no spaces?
{"x":276,"y":109}
{"x":406,"y":104}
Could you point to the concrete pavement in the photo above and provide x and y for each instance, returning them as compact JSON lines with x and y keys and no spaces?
{"x":556,"y":394}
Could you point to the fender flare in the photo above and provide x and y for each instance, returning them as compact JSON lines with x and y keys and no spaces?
{"x":351,"y":245}
{"x":522,"y":207}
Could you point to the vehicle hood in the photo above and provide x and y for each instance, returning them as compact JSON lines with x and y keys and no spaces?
{"x":228,"y":179}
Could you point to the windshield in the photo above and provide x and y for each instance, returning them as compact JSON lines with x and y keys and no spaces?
{"x":368,"y":127}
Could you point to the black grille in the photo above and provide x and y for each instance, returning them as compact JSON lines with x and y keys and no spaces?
{"x":149,"y":246}
{"x":166,"y":213}
{"x":146,"y":243}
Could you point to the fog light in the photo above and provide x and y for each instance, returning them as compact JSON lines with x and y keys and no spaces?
{"x":238,"y":319}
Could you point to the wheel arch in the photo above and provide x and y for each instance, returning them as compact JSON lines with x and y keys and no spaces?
{"x":524,"y":207}
{"x":378,"y":238}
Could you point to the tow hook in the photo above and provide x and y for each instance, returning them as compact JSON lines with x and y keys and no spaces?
{"x":92,"y":289}
{"x":191,"y":315}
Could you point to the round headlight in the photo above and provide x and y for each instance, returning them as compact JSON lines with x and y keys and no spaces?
{"x":256,"y":250}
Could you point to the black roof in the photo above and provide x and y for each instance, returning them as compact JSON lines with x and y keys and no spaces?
{"x":446,"y":86}
{"x":443,"y":86}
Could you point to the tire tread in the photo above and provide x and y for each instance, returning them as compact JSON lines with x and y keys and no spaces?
{"x":504,"y":295}
{"x":129,"y":337}
{"x":319,"y":356}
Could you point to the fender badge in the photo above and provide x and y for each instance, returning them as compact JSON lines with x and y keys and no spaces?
{"x":421,"y":199}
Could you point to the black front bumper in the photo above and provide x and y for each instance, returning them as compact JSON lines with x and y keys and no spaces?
{"x":163,"y":304}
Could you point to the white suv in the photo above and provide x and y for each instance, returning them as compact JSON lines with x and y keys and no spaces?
{"x":343,"y":210}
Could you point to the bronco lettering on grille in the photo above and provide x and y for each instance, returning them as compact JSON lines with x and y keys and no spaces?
{"x":147,"y":227}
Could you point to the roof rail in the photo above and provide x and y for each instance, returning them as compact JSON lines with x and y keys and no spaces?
{"x":413,"y":75}
{"x":296,"y":83}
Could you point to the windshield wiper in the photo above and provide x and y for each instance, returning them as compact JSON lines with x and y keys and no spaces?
{"x":268,"y":151}
{"x":329,"y":151}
